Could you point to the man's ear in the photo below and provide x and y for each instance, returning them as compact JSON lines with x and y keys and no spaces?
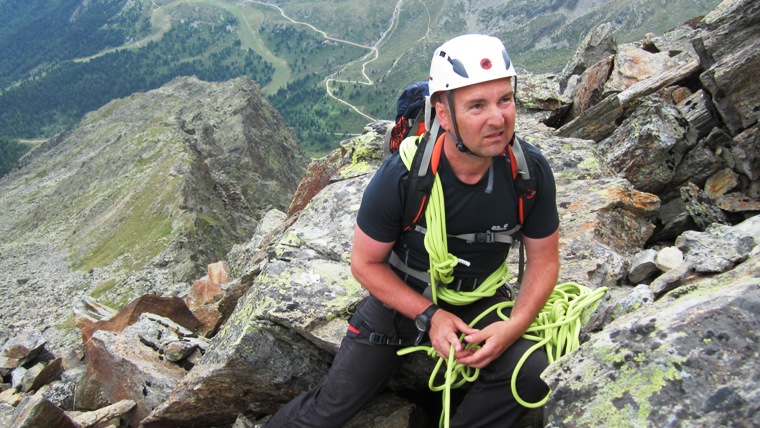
{"x":442,"y":113}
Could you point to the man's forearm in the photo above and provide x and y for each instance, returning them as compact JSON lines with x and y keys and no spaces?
{"x":539,"y":279}
{"x":380,"y":281}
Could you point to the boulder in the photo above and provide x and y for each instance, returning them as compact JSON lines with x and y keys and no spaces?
{"x":597,"y":45}
{"x":36,"y":411}
{"x":648,"y":145}
{"x":689,"y":356}
{"x":642,"y":265}
{"x":120,"y":367}
{"x":717,"y":249}
{"x":170,"y":307}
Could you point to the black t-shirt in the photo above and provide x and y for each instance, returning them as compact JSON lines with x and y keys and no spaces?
{"x":469,"y":209}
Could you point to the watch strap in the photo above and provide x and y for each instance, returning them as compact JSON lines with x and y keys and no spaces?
{"x":431,"y":310}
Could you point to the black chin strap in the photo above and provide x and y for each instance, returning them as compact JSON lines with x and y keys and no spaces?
{"x":460,"y":144}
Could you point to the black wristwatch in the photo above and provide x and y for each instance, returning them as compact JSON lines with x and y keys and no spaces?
{"x":422,"y":321}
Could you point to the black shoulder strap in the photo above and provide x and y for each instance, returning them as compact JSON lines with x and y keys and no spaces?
{"x":525,"y":180}
{"x":419,"y":181}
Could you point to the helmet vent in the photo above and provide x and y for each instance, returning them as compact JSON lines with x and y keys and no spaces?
{"x":507,"y":61}
{"x":458,"y":67}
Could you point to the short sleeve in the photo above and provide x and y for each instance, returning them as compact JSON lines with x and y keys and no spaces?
{"x":381,"y":210}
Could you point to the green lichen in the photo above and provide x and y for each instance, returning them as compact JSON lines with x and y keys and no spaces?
{"x":590,"y":163}
{"x":625,"y":402}
{"x":355,"y":169}
{"x":364,"y":152}
{"x":292,"y":240}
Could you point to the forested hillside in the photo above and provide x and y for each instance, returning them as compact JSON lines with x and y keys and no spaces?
{"x":65,"y":90}
{"x":329,"y":66}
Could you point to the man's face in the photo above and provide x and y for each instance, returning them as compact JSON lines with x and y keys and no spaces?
{"x":485,"y":115}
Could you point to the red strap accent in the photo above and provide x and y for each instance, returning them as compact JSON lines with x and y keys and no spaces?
{"x":520,"y":209}
{"x":420,"y":128}
{"x":353,"y":329}
{"x":419,"y":213}
{"x":436,"y":157}
{"x":435,"y":160}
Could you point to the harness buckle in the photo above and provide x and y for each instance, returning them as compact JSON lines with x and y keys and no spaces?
{"x":485,"y":237}
{"x":468,"y":284}
{"x":378,"y":338}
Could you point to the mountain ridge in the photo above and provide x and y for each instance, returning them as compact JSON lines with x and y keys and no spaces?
{"x":146,"y":192}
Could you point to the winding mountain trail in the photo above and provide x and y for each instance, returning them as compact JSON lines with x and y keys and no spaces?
{"x":371,"y":56}
{"x":161,"y":22}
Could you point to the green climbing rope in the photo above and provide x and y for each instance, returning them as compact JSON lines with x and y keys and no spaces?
{"x":556,"y":328}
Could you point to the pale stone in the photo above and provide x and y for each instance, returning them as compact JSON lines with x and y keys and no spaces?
{"x":668,"y":258}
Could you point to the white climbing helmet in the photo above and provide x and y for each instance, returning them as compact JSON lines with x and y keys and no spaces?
{"x":467,"y":60}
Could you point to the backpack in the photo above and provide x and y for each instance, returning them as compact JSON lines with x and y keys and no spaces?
{"x":413,"y":113}
{"x":409,"y":116}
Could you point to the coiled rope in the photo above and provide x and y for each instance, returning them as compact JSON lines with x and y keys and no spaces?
{"x":556,"y":328}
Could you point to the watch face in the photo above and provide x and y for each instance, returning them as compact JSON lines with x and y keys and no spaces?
{"x":421,"y":322}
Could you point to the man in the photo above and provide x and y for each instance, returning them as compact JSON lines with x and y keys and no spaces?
{"x":472,"y":93}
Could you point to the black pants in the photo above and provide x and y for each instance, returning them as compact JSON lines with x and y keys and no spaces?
{"x":361,"y":369}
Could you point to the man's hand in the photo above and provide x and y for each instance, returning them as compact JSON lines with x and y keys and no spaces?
{"x":494,"y":340}
{"x":445,"y":328}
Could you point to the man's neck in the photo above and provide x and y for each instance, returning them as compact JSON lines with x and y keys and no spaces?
{"x":468,"y":167}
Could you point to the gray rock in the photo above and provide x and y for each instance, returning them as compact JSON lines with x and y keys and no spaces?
{"x":597,"y":45}
{"x":671,"y":279}
{"x":640,"y":296}
{"x":61,"y":394}
{"x":698,"y":111}
{"x":24,"y":347}
{"x":751,"y":227}
{"x":701,"y":208}
{"x":168,"y":338}
{"x":642,"y":266}
{"x":648,"y":145}
{"x":729,"y":47}
{"x":36,"y":411}
{"x":746,"y":153}
{"x":717,"y":249}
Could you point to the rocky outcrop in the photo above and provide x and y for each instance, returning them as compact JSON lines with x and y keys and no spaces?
{"x":689,"y":357}
{"x":139,"y":199}
{"x":675,"y":113}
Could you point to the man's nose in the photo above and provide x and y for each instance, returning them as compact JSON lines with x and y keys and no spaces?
{"x":495,"y":116}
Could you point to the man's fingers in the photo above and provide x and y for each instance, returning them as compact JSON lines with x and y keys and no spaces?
{"x":474,"y":337}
